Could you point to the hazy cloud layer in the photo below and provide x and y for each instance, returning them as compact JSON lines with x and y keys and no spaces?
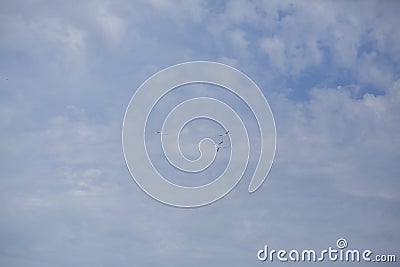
{"x":330,"y":71}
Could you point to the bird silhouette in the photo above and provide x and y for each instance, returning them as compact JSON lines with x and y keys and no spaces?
{"x":226,"y":133}
{"x":218,"y":146}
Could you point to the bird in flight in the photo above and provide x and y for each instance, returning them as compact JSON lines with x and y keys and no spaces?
{"x":226,"y":133}
{"x":218,"y":146}
{"x":161,"y":133}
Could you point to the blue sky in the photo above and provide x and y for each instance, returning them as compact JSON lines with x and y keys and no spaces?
{"x":330,"y":72}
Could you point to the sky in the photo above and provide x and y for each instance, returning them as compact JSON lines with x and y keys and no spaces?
{"x":330,"y":71}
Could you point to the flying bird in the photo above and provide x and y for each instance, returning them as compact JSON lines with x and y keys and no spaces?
{"x":226,"y":133}
{"x":218,"y":146}
{"x":161,"y":133}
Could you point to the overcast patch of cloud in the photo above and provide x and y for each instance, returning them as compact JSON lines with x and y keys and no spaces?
{"x":352,"y":141}
{"x":66,"y":196}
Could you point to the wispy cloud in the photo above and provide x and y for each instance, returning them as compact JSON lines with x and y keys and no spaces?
{"x":329,"y":70}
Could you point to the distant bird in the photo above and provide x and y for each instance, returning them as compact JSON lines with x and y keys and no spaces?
{"x":161,"y":133}
{"x":218,"y":146}
{"x":226,"y":133}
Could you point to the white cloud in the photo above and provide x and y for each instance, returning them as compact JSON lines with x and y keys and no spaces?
{"x":275,"y":49}
{"x":238,"y":39}
{"x":297,"y":36}
{"x":370,"y":71}
{"x":181,"y":11}
{"x":229,"y":61}
{"x":56,"y":45}
{"x":112,"y":25}
{"x":64,"y":185}
{"x":351,"y":141}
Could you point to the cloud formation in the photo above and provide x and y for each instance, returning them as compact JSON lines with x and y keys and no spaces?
{"x":330,"y":71}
